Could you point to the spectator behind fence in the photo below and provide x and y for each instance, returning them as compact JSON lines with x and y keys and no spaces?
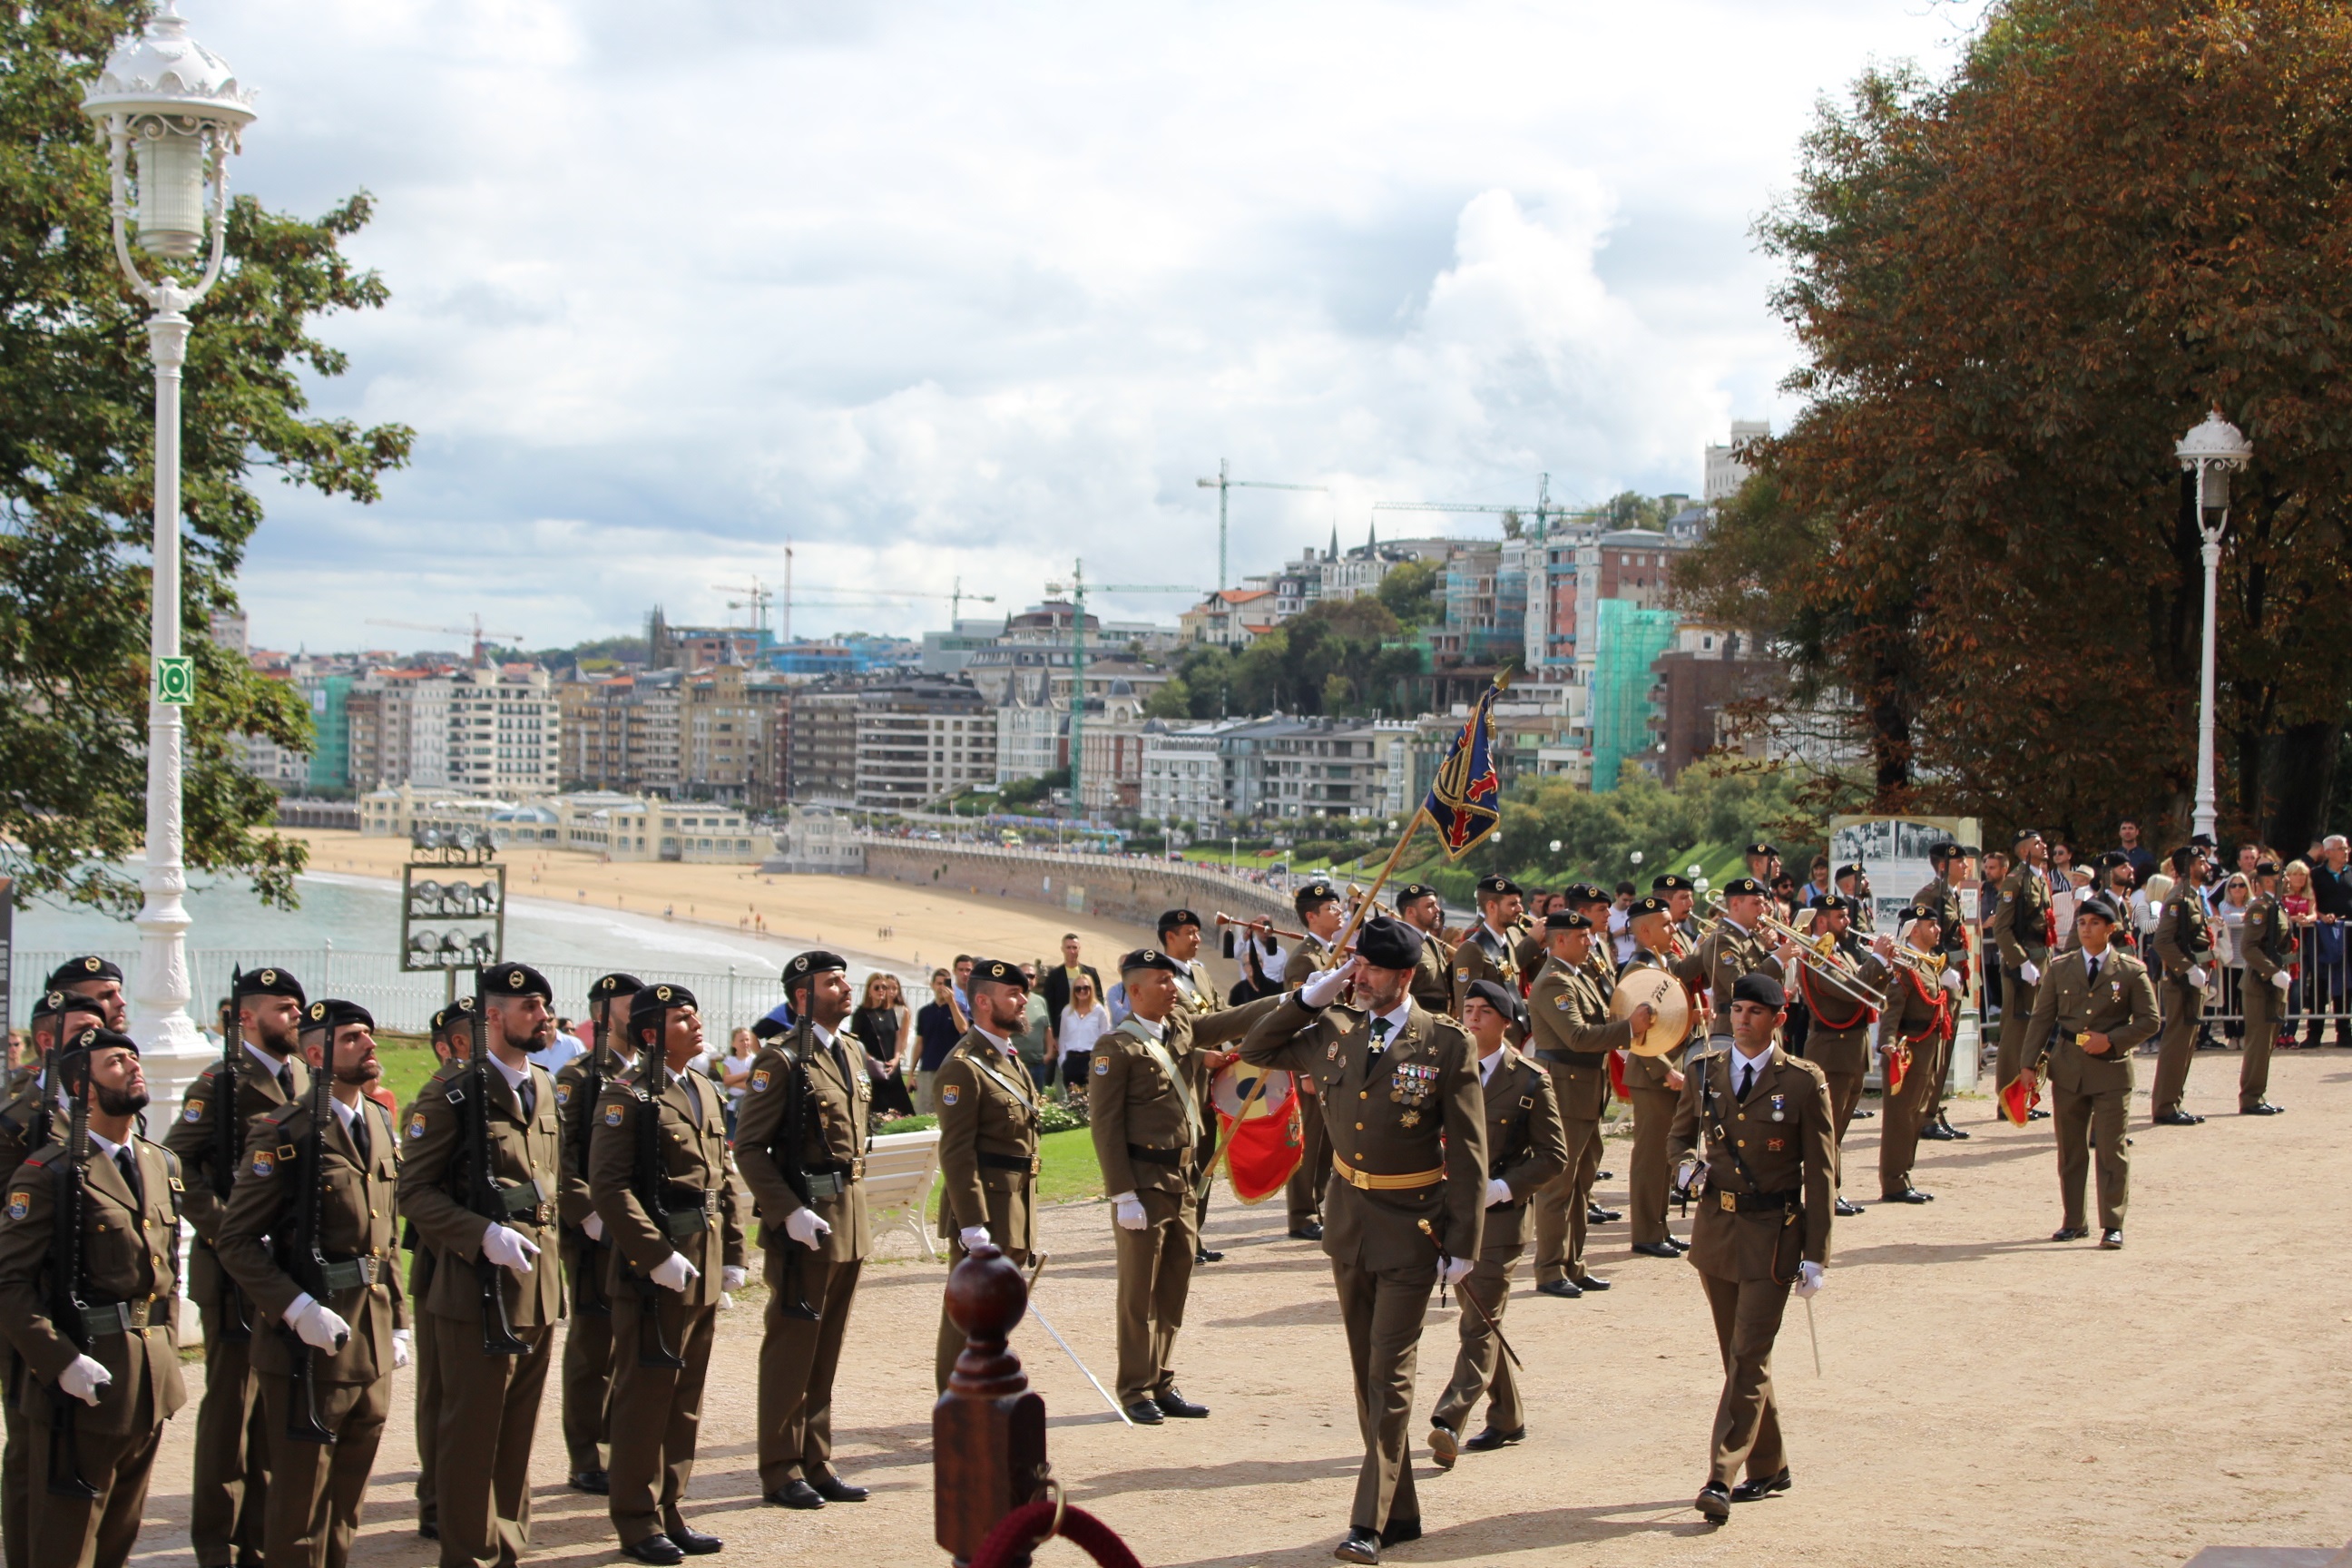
{"x":2331,"y":894}
{"x":2143,"y":859}
{"x":2237,"y":891}
{"x":885,"y":1025}
{"x":1083,"y":1022}
{"x":937,"y":1026}
{"x":2296,"y":908}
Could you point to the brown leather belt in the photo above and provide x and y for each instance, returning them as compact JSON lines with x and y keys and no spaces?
{"x":1008,"y":1163}
{"x":1367,"y":1182}
{"x":1177,"y":1157}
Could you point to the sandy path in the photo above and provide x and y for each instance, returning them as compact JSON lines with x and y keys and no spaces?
{"x":1990,"y":1398}
{"x":910,"y":926}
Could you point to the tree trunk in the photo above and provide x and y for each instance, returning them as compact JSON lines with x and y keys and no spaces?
{"x":2306,"y":757}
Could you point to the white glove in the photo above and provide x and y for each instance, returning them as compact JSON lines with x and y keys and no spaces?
{"x":1809,"y":1279}
{"x":593,"y":1227}
{"x":400,"y":1354}
{"x":1129,"y":1211}
{"x":973,"y":1236}
{"x":1325,"y":988}
{"x":2197,"y":976}
{"x":2030,"y":972}
{"x":85,"y":1379}
{"x":675,"y":1273}
{"x":509,"y":1250}
{"x":1952,"y":981}
{"x":2281,"y":979}
{"x":316,"y":1326}
{"x":1499,"y":1190}
{"x":1455,"y":1267}
{"x":805,"y":1226}
{"x":732,"y":1277}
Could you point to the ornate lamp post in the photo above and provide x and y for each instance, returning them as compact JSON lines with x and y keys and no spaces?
{"x":2210,"y":451}
{"x":180,"y":108}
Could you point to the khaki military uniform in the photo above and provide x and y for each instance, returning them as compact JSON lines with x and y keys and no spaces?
{"x":2091,"y":1094}
{"x":229,"y":1498}
{"x":1725,"y":955}
{"x":1303,"y":1194}
{"x":588,"y":1358}
{"x":424,"y":1367}
{"x":2020,"y":928}
{"x":316,"y":1489}
{"x":1944,"y":900}
{"x":1145,"y":1109}
{"x":1918,"y":1017}
{"x":1839,"y":1041}
{"x":988,"y":1161}
{"x":131,"y":1289}
{"x":801,"y":1137}
{"x":657,"y":1409}
{"x":1650,"y":1173}
{"x":1526,"y":1149}
{"x":489,"y":1403}
{"x":1508,"y":960}
{"x":2269,"y":946}
{"x":1407,"y":1125}
{"x":1197,"y":994}
{"x":23,"y":1132}
{"x":2184,"y":940}
{"x":1570,"y":1037}
{"x":1764,"y":1208}
{"x":1433,"y":975}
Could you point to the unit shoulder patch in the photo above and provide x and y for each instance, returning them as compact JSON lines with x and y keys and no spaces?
{"x":18,"y":1203}
{"x":950,"y":1093}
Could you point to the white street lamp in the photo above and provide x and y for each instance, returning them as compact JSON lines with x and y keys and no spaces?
{"x":2210,"y":451}
{"x":181,"y":107}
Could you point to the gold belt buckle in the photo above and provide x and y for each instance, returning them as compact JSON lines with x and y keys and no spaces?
{"x":1730,"y":1202}
{"x":1035,"y":1161}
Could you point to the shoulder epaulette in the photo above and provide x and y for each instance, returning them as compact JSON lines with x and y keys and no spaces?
{"x":277,"y":1115}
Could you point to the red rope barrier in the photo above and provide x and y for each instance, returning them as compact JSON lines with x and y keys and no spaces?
{"x":1031,"y":1524}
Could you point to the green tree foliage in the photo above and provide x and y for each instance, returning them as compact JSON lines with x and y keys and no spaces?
{"x":1340,"y":657}
{"x":1414,"y":592}
{"x":1631,"y":508}
{"x":2015,"y":290}
{"x":76,"y":477}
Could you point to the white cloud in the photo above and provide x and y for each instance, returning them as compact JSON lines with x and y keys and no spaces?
{"x":937,"y":289}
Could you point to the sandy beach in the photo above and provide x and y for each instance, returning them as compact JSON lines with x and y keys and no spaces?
{"x":907,"y":928}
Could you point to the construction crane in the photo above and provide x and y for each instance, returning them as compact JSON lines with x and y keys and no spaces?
{"x":1543,"y":511}
{"x":1076,"y":588}
{"x":756,"y":599}
{"x":474,"y":631}
{"x":1224,"y":483}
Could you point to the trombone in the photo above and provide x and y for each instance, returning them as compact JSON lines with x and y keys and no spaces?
{"x":1822,"y":951}
{"x":1265,"y":925}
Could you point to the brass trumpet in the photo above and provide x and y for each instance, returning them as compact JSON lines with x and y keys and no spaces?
{"x":1930,"y":964}
{"x":1822,"y":952}
{"x":1267,"y":926}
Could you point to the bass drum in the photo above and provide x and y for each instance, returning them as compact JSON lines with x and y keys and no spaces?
{"x":1667,"y":1000}
{"x":1236,"y":1081}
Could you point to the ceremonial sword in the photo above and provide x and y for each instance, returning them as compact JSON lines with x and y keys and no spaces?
{"x":1460,"y":1294}
{"x":1037,"y":1266}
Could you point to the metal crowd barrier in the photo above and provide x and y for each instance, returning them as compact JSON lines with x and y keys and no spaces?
{"x":2318,"y":1005}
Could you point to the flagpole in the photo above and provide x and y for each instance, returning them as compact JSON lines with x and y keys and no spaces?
{"x":1356,"y":915}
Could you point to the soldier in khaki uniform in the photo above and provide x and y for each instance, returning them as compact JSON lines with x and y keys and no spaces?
{"x":1941,"y":899}
{"x":987,"y":1137}
{"x":588,"y":1329}
{"x":667,"y":1201}
{"x":1320,"y":911}
{"x":801,"y":1137}
{"x":1196,"y":996}
{"x":2269,"y":946}
{"x":114,"y":1374}
{"x":2096,"y":1005}
{"x":1595,"y":904}
{"x":1145,"y":1113}
{"x":1527,"y":1152}
{"x":1654,"y":1083}
{"x":1400,"y":1095}
{"x":1420,"y":907}
{"x":338,"y":1307}
{"x":1570,"y":1036}
{"x":230,"y":1495}
{"x":1917,"y":1028}
{"x":452,"y":1029}
{"x":490,"y":1396}
{"x":1759,"y":1122}
{"x":2020,"y":928}
{"x":1839,"y":1041}
{"x":1503,"y":945}
{"x":2184,"y":951}
{"x":1737,"y":946}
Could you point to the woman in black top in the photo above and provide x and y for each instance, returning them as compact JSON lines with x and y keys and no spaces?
{"x":881,"y":1024}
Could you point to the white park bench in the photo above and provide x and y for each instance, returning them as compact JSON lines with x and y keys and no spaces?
{"x":901,"y":1168}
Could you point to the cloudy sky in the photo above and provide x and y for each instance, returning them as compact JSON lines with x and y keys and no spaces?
{"x":952,"y":290}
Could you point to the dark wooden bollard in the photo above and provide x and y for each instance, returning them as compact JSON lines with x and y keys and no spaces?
{"x":988,"y":1430}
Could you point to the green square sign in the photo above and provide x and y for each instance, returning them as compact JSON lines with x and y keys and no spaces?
{"x":175,"y":681}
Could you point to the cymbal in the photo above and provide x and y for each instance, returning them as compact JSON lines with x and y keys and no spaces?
{"x":1666,"y":999}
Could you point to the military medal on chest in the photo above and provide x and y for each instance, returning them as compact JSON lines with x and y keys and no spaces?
{"x":1410,"y":1086}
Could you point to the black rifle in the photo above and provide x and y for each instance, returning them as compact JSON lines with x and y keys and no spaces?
{"x":587,"y":1286}
{"x":66,"y":1301}
{"x":305,"y":1262}
{"x":650,"y":1181}
{"x":483,"y":1195}
{"x":786,"y":1151}
{"x":235,"y":1322}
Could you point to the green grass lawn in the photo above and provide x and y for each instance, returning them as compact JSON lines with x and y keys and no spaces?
{"x":1067,"y":1169}
{"x":407,"y":1062}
